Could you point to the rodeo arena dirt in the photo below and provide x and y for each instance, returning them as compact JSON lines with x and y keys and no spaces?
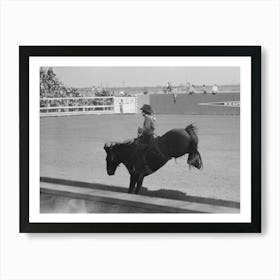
{"x":80,"y":127}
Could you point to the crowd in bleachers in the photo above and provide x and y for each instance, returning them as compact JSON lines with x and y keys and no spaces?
{"x":53,"y":92}
{"x":51,"y":87}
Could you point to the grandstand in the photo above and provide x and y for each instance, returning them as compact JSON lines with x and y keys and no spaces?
{"x":58,"y":100}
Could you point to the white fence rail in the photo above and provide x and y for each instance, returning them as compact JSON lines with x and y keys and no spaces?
{"x":63,"y":106}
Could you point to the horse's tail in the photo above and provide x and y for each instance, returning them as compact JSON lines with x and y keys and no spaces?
{"x":194,"y":158}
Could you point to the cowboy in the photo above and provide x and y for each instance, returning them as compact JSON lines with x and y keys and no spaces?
{"x":147,"y":132}
{"x":146,"y":139}
{"x":169,"y":87}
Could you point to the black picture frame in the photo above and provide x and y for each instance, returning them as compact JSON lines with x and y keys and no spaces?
{"x":254,"y":52}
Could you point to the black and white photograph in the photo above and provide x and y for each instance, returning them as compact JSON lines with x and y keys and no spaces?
{"x":172,"y":133}
{"x":141,"y":138}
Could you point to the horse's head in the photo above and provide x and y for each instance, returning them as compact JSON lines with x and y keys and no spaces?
{"x":111,"y":158}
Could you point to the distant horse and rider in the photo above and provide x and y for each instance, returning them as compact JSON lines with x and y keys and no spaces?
{"x":169,"y":90}
{"x":146,"y":154}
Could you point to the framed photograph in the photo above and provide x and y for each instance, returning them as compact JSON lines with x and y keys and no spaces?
{"x":140,"y":139}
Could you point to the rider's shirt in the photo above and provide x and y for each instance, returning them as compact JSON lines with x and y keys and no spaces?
{"x":149,"y":125}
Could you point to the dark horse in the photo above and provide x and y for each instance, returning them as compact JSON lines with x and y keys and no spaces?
{"x":173,"y":144}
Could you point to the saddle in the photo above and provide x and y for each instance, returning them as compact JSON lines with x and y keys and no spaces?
{"x":148,"y":144}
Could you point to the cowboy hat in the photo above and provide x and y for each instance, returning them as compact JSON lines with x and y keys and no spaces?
{"x":147,"y":109}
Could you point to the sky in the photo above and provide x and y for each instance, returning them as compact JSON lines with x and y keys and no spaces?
{"x":146,"y":76}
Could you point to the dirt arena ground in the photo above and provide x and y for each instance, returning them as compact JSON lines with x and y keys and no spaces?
{"x":72,"y":149}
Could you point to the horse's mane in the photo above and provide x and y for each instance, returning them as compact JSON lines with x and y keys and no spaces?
{"x":130,"y":142}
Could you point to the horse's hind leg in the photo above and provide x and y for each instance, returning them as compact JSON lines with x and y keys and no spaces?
{"x":133,"y":180}
{"x":139,"y":184}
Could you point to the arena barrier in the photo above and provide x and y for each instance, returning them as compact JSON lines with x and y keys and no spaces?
{"x":142,"y":99}
{"x":222,"y":103}
{"x":62,"y":198}
{"x":65,"y":106}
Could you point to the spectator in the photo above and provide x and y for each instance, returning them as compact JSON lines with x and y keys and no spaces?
{"x":188,"y":86}
{"x":204,"y":90}
{"x":121,"y":107}
{"x":215,"y":89}
{"x":174,"y":96}
{"x":192,"y":90}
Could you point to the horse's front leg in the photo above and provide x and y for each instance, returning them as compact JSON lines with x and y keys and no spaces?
{"x":139,"y":183}
{"x":133,"y":180}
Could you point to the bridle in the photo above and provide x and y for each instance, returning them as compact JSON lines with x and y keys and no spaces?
{"x":112,"y":155}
